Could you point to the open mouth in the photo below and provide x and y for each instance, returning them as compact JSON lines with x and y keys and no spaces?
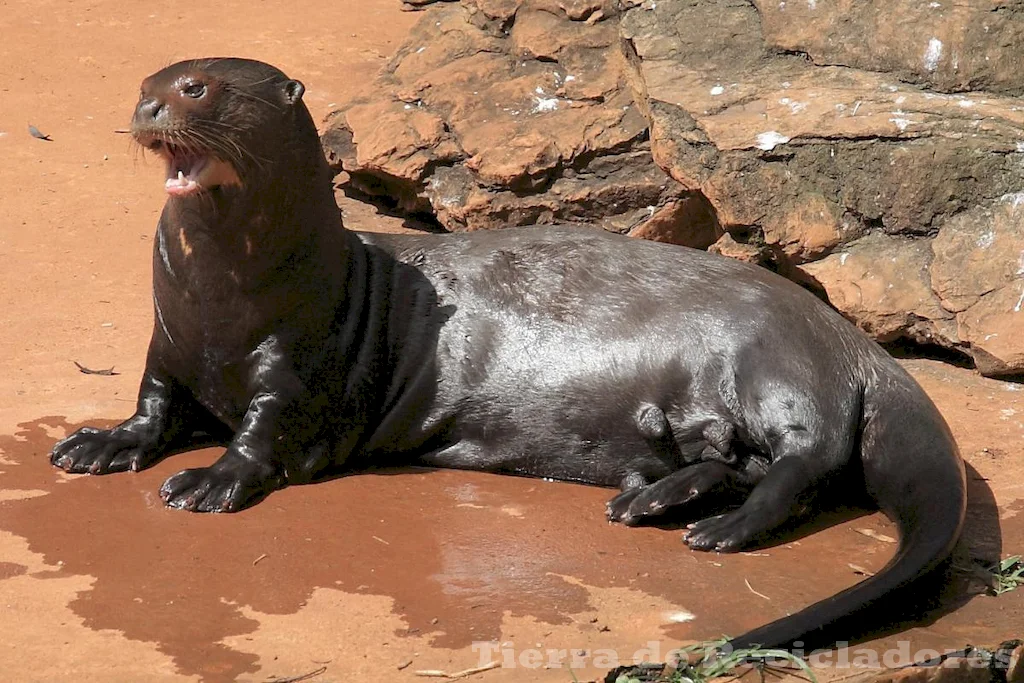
{"x":190,"y":171}
{"x":184,"y":168}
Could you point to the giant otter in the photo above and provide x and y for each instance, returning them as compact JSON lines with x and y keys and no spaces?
{"x":544,"y":351}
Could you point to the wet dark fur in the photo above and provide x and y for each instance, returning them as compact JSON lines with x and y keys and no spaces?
{"x":680,"y":376}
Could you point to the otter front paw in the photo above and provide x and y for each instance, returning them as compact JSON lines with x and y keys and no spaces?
{"x":229,"y":485}
{"x":103,"y":451}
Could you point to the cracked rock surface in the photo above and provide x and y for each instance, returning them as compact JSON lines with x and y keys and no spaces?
{"x":875,"y":153}
{"x":500,"y":113}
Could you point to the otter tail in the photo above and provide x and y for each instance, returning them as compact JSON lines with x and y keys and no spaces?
{"x":914,"y":472}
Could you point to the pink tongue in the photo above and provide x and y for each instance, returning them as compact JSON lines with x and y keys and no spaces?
{"x":179,"y":185}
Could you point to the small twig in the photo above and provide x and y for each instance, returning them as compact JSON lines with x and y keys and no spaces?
{"x":437,"y":673}
{"x":858,"y":675}
{"x":860,"y":570}
{"x":871,"y":533}
{"x":304,"y":677}
{"x":261,"y":557}
{"x":783,"y":672}
{"x":122,"y":130}
{"x":475,"y":670}
{"x":377,"y":538}
{"x":755,"y":592}
{"x":89,"y":371}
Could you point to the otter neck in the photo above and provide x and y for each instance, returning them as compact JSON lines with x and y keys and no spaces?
{"x":264,"y":225}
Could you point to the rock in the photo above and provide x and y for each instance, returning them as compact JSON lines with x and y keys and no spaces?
{"x":498,"y":113}
{"x":757,"y":132}
{"x":978,"y":272}
{"x":847,"y":174}
{"x":952,"y":47}
{"x":416,"y":4}
{"x":728,"y":246}
{"x":1015,"y":665}
{"x":882,"y":283}
{"x":689,"y":221}
{"x":963,"y":290}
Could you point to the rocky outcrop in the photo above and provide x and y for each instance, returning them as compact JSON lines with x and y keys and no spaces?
{"x":848,"y":145}
{"x":499,"y":112}
{"x":817,"y":159}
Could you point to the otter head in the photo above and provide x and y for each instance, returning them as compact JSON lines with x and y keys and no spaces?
{"x":221,"y":123}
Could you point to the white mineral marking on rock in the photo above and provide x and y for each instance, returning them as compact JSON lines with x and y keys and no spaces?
{"x":986,"y":239}
{"x":544,"y":104}
{"x":539,"y":90}
{"x":1020,"y":264}
{"x":966,"y":103}
{"x":932,"y":54}
{"x":899,"y":120}
{"x":1014,"y":199}
{"x":842,"y":259}
{"x":812,"y":4}
{"x":934,"y":5}
{"x":1020,"y":301}
{"x":794,"y":107}
{"x":769,"y":139}
{"x":1020,"y":146}
{"x":717,"y":90}
{"x":570,"y":78}
{"x":421,"y":49}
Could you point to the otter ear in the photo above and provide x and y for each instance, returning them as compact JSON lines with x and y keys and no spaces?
{"x":293,"y":91}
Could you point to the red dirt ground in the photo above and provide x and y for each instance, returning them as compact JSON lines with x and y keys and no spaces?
{"x":374,"y":577}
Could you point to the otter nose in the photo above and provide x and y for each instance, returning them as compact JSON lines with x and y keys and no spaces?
{"x":149,"y":110}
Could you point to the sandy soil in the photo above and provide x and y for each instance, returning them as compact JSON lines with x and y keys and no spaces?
{"x":370,"y":577}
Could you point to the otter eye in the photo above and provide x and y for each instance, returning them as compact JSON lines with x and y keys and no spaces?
{"x":194,"y":90}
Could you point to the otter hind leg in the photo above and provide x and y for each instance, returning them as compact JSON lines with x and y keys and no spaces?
{"x":709,"y":483}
